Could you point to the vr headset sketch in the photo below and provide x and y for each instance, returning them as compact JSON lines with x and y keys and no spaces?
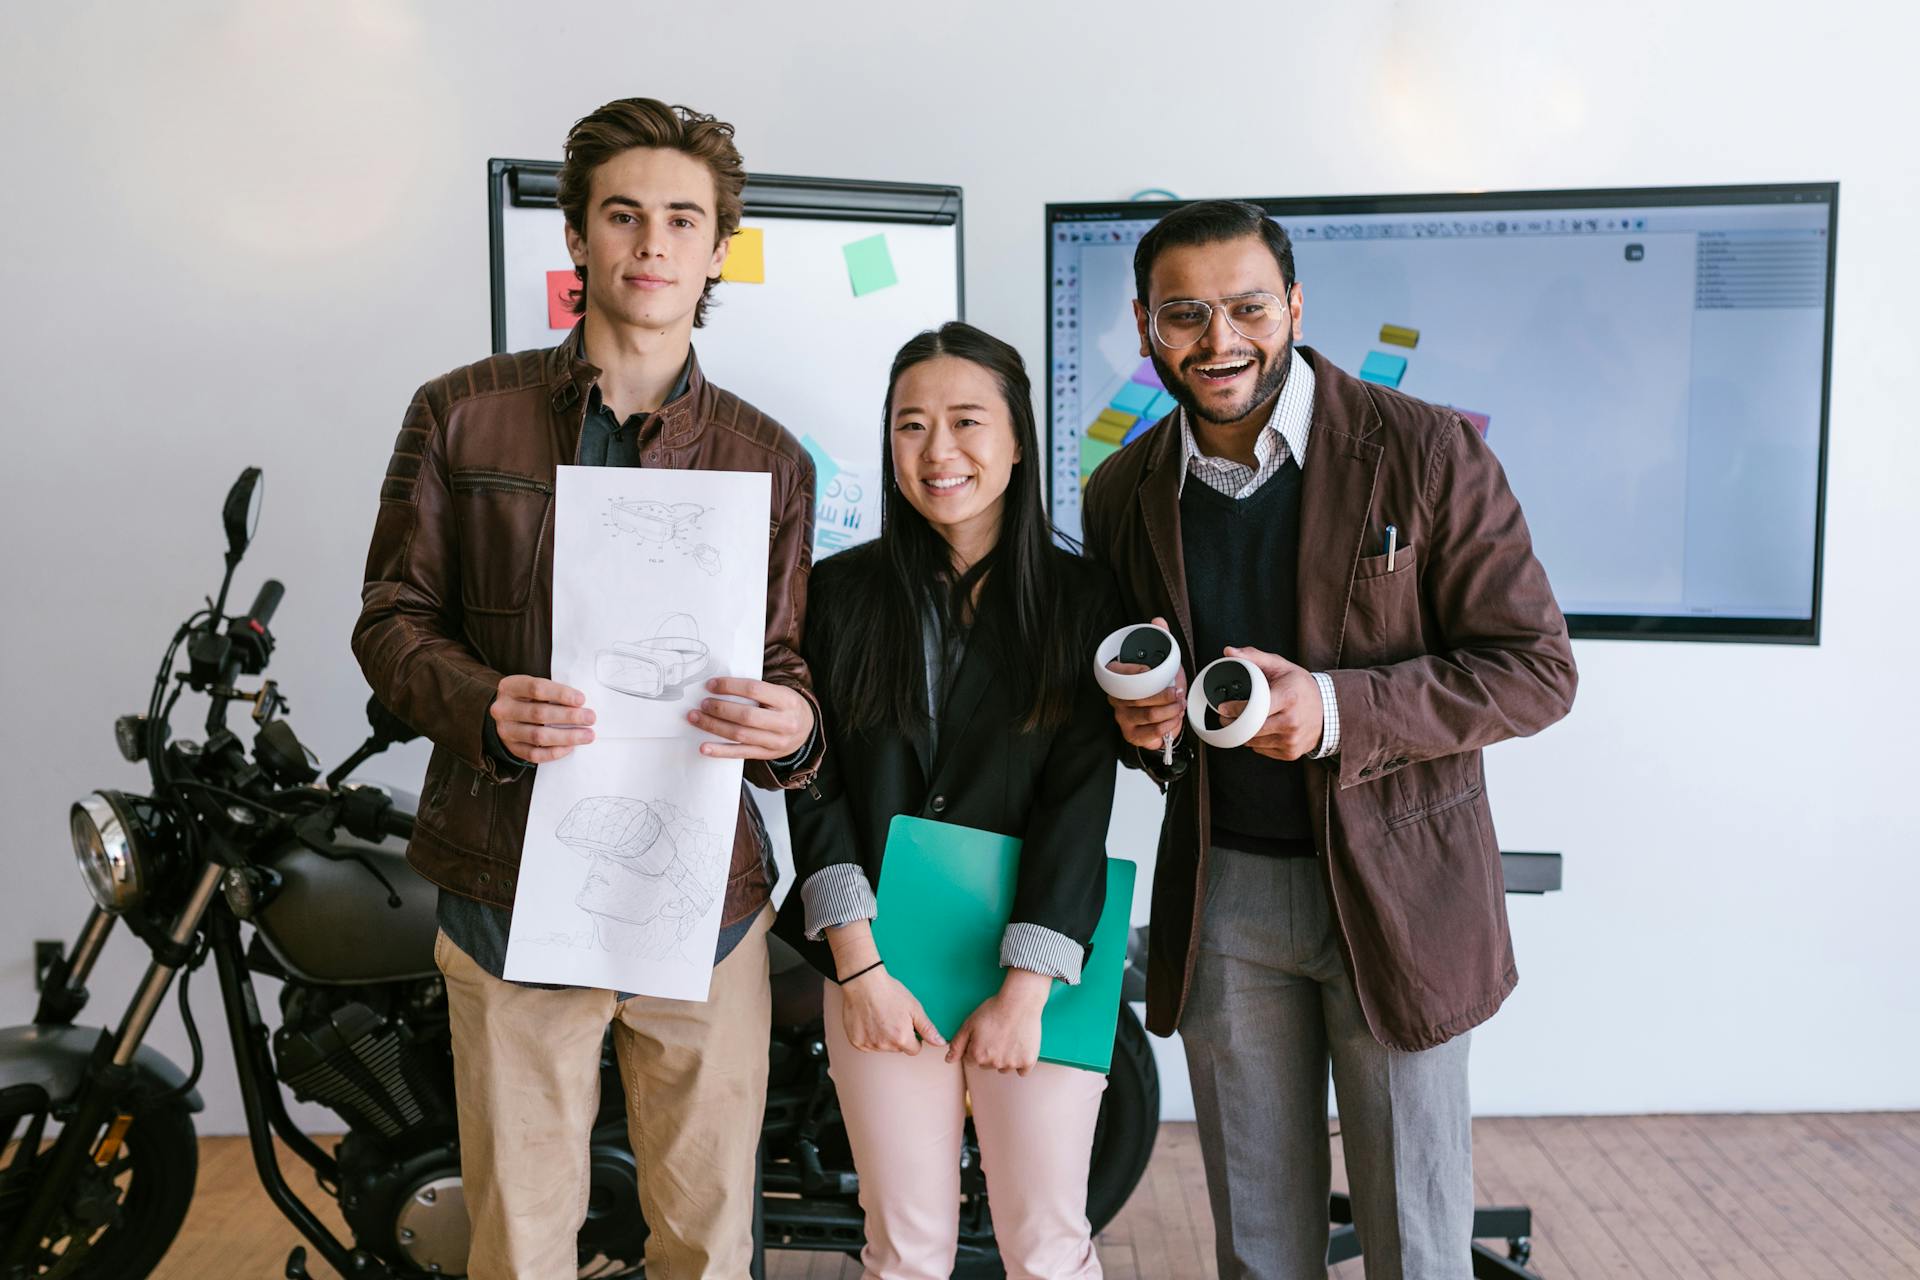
{"x":655,"y":521}
{"x":644,"y":887}
{"x":659,"y":667}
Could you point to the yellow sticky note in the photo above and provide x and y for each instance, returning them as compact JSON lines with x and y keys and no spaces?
{"x":747,"y":261}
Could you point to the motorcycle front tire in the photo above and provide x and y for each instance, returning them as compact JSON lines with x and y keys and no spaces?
{"x":162,"y":1163}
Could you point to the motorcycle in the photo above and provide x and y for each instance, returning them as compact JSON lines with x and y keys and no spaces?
{"x":243,"y":854}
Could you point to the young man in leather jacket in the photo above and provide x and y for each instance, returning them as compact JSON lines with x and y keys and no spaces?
{"x":455,"y":636}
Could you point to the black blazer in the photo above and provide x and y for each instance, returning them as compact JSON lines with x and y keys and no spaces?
{"x":1052,"y":789}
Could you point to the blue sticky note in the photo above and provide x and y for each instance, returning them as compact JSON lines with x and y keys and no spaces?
{"x":869,"y":265}
{"x":1384,"y":369}
{"x":1163,"y":404}
{"x":1134,"y":398}
{"x":824,"y":467}
{"x":1138,"y":429}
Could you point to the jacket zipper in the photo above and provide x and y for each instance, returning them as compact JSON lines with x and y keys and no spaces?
{"x":480,"y":481}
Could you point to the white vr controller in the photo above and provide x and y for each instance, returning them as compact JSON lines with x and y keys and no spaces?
{"x":1221,"y":681}
{"x":1229,"y":680}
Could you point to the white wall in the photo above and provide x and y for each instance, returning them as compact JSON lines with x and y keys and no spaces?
{"x":242,"y":233}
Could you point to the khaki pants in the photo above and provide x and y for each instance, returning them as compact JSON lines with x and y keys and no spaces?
{"x":526,"y":1063}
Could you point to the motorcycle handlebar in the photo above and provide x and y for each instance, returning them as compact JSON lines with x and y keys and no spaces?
{"x":265,"y":602}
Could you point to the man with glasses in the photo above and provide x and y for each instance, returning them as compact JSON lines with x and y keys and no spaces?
{"x":1328,"y":895}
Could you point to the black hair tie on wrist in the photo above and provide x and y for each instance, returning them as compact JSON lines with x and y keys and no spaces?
{"x":869,"y":969}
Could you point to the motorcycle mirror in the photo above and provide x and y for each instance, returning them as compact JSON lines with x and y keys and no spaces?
{"x":241,"y":514}
{"x":387,"y":725}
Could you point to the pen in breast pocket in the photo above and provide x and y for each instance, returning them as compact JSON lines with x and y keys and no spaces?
{"x":1393,"y":545}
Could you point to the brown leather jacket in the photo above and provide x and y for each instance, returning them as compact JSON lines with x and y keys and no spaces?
{"x":1458,"y":645}
{"x":459,"y":588}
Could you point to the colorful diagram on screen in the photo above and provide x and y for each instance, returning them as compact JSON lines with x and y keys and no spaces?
{"x":1140,"y":401}
{"x":1387,"y":369}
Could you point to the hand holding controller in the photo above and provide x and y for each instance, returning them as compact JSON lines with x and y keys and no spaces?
{"x":1138,"y":668}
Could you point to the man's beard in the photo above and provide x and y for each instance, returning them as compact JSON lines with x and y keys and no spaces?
{"x":1267,"y":384}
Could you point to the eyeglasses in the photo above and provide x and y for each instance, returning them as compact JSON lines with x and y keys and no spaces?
{"x":1181,"y":322}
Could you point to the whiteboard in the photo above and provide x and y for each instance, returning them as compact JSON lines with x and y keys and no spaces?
{"x":801,"y":345}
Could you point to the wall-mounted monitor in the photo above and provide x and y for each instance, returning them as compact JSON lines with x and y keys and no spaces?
{"x":1651,"y":366}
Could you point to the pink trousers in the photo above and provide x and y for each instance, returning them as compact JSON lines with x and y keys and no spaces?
{"x":905,"y":1117}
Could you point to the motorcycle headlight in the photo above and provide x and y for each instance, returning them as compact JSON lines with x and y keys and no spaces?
{"x":110,"y":847}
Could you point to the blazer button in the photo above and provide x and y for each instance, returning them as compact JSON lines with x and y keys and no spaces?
{"x":485,"y":878}
{"x":938,"y":804}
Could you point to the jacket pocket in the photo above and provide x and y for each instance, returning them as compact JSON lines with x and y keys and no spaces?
{"x":1421,"y":812}
{"x":1370,"y":567}
{"x":1383,"y":613}
{"x":502,"y":519}
{"x":457,"y":804}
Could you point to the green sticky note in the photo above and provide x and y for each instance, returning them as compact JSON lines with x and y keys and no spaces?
{"x":946,"y":894}
{"x":869,"y":265}
{"x":1093,"y":452}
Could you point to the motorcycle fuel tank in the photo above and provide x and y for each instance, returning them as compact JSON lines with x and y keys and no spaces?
{"x":331,"y":923}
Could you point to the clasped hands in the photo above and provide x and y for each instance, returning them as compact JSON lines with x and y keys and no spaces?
{"x":540,"y":721}
{"x":1295,"y":719}
{"x":881,"y":1016}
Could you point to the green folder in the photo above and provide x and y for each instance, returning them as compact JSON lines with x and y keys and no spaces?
{"x":946,"y":894}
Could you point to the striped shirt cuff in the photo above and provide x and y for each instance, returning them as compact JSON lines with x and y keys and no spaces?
{"x":1329,"y":717}
{"x":834,"y":896}
{"x":1026,"y":945}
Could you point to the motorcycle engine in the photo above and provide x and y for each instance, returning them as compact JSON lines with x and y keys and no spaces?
{"x":380,"y":1056}
{"x":375,"y":1055}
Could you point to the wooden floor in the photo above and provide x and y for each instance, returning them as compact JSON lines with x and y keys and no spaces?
{"x":1648,"y":1197}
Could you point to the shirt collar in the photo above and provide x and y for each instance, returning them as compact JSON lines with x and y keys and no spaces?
{"x":595,"y":403}
{"x":1291,"y":421}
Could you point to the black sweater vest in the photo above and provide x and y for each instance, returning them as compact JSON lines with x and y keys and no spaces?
{"x":1242,"y":559}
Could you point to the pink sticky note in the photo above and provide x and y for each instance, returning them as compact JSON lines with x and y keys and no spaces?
{"x":1480,"y":421}
{"x":560,"y":289}
{"x":1147,"y":375}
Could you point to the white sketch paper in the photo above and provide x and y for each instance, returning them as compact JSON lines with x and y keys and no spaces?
{"x":659,"y":585}
{"x":624,"y":869}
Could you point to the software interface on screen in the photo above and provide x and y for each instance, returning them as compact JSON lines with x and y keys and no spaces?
{"x":1652,"y":378}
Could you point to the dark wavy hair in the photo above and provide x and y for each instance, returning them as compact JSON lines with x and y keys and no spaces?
{"x":878,"y":681}
{"x":1208,"y":222}
{"x":627,"y":123}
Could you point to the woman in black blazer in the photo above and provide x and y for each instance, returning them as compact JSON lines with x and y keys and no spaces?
{"x":952,"y":658}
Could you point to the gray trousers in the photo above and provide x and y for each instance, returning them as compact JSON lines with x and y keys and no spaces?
{"x":1271,"y":1006}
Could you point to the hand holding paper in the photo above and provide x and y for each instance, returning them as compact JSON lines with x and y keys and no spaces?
{"x":538,"y":720}
{"x":772,"y":725}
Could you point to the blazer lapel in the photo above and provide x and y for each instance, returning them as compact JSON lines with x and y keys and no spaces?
{"x":920,"y":736}
{"x":1336,"y":496}
{"x":970,"y":684}
{"x":1160,"y":513}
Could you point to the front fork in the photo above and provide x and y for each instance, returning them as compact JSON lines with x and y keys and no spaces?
{"x":109,"y":1078}
{"x":63,"y":991}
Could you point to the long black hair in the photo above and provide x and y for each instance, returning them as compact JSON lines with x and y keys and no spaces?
{"x":877,"y":676}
